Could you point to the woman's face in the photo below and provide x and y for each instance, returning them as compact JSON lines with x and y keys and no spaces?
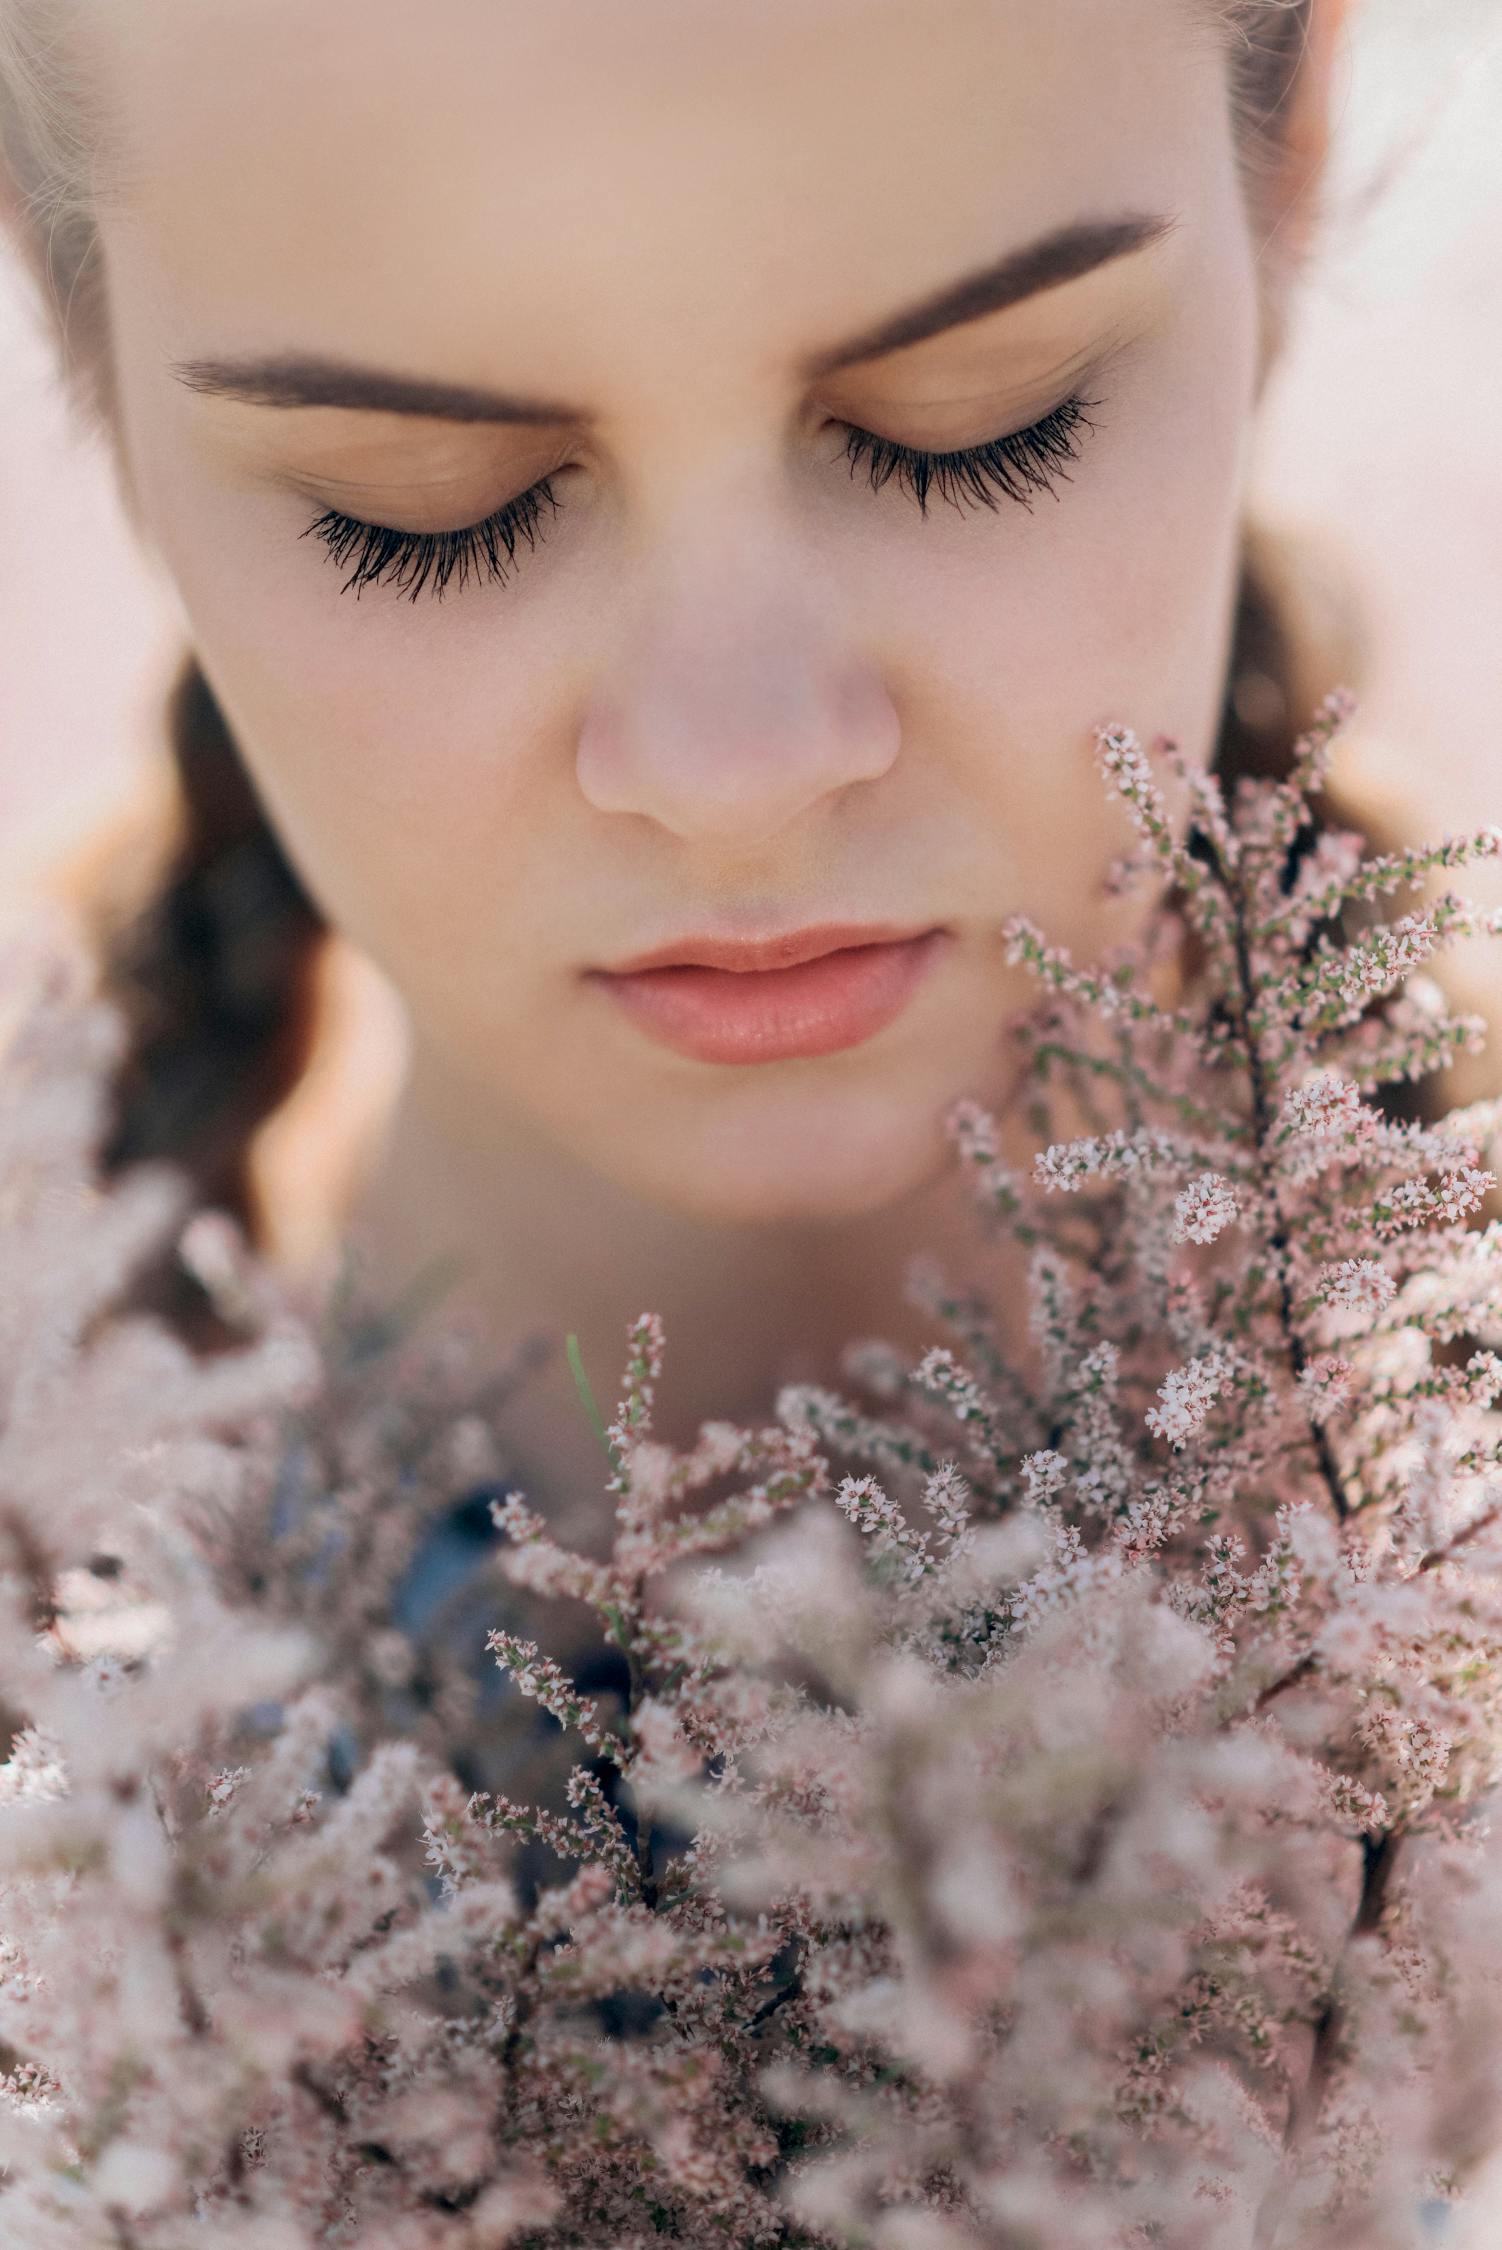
{"x":732,"y":689}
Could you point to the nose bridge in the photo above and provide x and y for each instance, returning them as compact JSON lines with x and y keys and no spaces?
{"x":733,"y":633}
{"x":729,"y":605}
{"x":740,"y":698}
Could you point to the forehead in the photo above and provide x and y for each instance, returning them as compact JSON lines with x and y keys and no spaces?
{"x":562,"y":174}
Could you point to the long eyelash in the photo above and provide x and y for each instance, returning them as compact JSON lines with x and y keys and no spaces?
{"x":417,"y":559}
{"x":1030,"y":461}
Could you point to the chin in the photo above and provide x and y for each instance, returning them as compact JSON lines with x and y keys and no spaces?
{"x":809,"y":1160}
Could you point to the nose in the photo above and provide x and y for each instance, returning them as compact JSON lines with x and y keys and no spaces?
{"x":740,"y":704}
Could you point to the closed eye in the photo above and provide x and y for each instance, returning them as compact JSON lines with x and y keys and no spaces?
{"x":423,"y":561}
{"x":1016,"y":467}
{"x":1019,"y":467}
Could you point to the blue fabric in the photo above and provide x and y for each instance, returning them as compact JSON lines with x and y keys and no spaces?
{"x":452,"y":1596}
{"x":439,"y":1589}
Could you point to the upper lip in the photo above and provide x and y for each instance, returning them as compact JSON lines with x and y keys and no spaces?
{"x":784,"y":952}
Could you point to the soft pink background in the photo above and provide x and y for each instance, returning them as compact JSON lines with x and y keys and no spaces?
{"x":1386,"y":426}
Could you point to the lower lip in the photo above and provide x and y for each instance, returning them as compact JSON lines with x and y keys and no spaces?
{"x":777,"y":1015}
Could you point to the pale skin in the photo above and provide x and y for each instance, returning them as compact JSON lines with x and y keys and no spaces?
{"x":732,"y":689}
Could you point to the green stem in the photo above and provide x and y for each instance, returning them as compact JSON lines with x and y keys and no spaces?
{"x":597,"y":1420}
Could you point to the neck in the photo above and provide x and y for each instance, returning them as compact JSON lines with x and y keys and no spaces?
{"x":534,"y":1240}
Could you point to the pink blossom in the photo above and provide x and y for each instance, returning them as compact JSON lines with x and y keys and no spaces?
{"x":1358,"y":1284}
{"x":1186,"y":1397}
{"x":1205,"y":1208}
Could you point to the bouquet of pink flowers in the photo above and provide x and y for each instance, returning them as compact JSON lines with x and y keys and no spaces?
{"x":1047,"y":1802}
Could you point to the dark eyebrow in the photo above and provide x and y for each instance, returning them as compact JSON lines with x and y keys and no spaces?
{"x":1045,"y":264}
{"x":294,"y":380}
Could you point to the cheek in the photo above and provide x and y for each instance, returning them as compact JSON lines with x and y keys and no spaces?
{"x":405,"y":768}
{"x":1111,"y":600}
{"x":1112,"y":603}
{"x":401,"y":754}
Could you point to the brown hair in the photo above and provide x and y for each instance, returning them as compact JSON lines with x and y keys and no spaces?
{"x":215,"y":964}
{"x":215,"y":969}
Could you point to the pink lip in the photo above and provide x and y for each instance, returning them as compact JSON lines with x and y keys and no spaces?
{"x":810,"y":993}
